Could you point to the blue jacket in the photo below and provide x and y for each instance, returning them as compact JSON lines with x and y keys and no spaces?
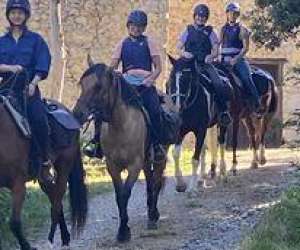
{"x":30,"y":51}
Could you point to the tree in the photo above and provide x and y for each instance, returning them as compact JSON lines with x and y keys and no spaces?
{"x":58,"y":49}
{"x":275,"y":21}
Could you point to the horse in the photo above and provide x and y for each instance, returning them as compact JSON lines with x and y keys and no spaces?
{"x":198,"y":113}
{"x":124,"y":138}
{"x":257,"y":125}
{"x":14,"y":173}
{"x":197,"y":103}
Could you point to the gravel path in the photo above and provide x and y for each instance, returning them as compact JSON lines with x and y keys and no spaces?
{"x":216,"y":219}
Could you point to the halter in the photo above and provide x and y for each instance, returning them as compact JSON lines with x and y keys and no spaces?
{"x":177,"y":95}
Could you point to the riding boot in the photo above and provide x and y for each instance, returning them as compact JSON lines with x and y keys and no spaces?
{"x":224,"y":117}
{"x":39,"y":124}
{"x":93,"y":148}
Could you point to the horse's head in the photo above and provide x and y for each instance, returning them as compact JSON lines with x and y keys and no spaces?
{"x":96,"y":86}
{"x":180,"y":80}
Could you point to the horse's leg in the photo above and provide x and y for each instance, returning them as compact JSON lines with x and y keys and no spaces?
{"x":235,"y":131}
{"x":180,"y":184}
{"x":213,"y":147}
{"x":18,"y":196}
{"x":55,"y":194}
{"x":200,"y":137}
{"x":222,"y":143}
{"x":252,"y":135}
{"x":265,"y":125}
{"x":158,"y":181}
{"x":149,"y":187}
{"x":123,"y":192}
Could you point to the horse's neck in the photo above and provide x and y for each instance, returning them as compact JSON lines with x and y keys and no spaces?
{"x":119,"y":115}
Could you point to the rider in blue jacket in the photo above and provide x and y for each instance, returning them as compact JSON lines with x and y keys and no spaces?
{"x":24,"y":61}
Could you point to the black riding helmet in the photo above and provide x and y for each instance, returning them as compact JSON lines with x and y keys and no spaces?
{"x":137,"y":17}
{"x":201,"y":10}
{"x":18,"y":4}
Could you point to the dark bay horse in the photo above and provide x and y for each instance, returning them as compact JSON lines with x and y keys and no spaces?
{"x":257,"y":126}
{"x":14,"y":169}
{"x":124,"y":138}
{"x":198,"y":114}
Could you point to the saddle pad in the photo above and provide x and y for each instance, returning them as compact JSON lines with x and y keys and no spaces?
{"x":62,"y":115}
{"x":20,"y":120}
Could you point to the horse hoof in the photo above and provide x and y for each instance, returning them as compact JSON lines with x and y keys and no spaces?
{"x":152,"y":225}
{"x":254,"y":165}
{"x":124,"y":235}
{"x":262,"y":161}
{"x":181,"y":188}
{"x":234,"y":172}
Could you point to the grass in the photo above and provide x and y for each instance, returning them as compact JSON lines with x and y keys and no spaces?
{"x":280,"y":229}
{"x":36,"y":212}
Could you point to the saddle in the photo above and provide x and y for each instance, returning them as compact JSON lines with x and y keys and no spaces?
{"x":62,"y":124}
{"x":261,"y":78}
{"x":170,"y":121}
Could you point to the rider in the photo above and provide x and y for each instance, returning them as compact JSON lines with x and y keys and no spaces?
{"x":25,"y":59}
{"x":200,"y":42}
{"x":141,"y":66}
{"x":235,"y":45}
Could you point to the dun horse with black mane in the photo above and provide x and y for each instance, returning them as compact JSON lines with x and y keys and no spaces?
{"x":124,"y":138}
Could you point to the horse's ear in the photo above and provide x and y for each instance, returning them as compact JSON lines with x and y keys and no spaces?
{"x":90,"y":60}
{"x":171,"y":59}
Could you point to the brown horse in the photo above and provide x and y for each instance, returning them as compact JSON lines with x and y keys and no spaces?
{"x":124,"y":138}
{"x":14,"y":169}
{"x":257,"y":126}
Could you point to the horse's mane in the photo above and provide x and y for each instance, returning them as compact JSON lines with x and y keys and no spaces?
{"x":128,"y":94}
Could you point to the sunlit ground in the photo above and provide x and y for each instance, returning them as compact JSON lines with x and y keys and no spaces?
{"x":36,"y":210}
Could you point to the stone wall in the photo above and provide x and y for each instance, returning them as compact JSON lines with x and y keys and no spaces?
{"x":95,"y":26}
{"x":92,"y":26}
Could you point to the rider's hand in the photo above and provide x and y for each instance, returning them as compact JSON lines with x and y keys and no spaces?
{"x":16,"y":68}
{"x":148,"y":82}
{"x":31,"y":89}
{"x":233,"y":61}
{"x":187,"y":55}
{"x":209,"y":59}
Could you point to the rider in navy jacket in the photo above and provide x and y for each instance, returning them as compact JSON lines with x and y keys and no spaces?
{"x":200,"y":42}
{"x":24,"y":61}
{"x":234,"y":46}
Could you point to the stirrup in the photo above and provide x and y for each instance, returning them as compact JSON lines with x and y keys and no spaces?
{"x":50,"y":178}
{"x":224,"y":119}
{"x":93,"y":150}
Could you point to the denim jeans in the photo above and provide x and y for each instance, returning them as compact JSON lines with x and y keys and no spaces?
{"x":243,"y":71}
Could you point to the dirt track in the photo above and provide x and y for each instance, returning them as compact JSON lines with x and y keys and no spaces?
{"x":216,"y":219}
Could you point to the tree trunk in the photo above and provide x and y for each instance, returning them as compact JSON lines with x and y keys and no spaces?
{"x":58,"y":50}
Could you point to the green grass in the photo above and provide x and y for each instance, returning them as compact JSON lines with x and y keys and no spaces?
{"x":280,"y":229}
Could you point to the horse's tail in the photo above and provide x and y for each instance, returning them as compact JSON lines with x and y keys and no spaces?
{"x":274,"y":97}
{"x":78,"y":195}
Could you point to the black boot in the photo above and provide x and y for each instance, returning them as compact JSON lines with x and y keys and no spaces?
{"x":93,"y":149}
{"x":224,"y":117}
{"x":45,"y":176}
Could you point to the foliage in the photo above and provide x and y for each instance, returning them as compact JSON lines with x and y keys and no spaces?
{"x":275,"y":21}
{"x":280,"y":229}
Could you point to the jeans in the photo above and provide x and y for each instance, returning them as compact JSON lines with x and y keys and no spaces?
{"x":243,"y":71}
